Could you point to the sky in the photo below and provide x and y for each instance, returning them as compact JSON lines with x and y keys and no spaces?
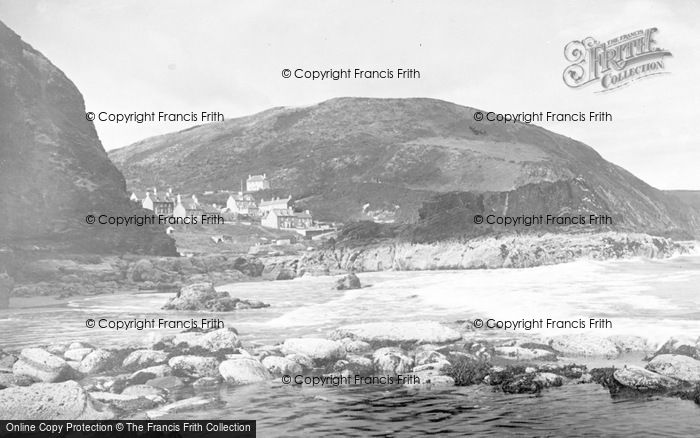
{"x":503,"y":56}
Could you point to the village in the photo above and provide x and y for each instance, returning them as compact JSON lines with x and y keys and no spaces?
{"x":243,"y":208}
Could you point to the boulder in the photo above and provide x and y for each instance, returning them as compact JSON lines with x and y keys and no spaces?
{"x":144,"y":358}
{"x":141,"y":376}
{"x":676,"y":366}
{"x":686,"y":346}
{"x":409,"y":332}
{"x":317,"y":349}
{"x":123,"y":402}
{"x":243,"y":370}
{"x":217,"y":340}
{"x":583,"y":345}
{"x":98,"y":361}
{"x":279,"y":366}
{"x":354,"y":365}
{"x":640,"y":379}
{"x":305,"y":361}
{"x":206,"y":383}
{"x":203,"y":296}
{"x":194,"y":366}
{"x":42,"y":366}
{"x":50,"y":401}
{"x":187,"y":404}
{"x":278,"y":271}
{"x":392,"y":360}
{"x":157,"y":395}
{"x":348,"y":282}
{"x":169,"y":383}
{"x":6,"y":286}
{"x":352,"y":346}
{"x":521,"y":353}
{"x":6,"y":362}
{"x":77,"y":354}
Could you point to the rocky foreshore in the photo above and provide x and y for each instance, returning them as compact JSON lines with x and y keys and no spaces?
{"x":94,"y":274}
{"x":170,"y":374}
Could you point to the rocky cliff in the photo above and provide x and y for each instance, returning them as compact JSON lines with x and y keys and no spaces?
{"x":53,"y":168}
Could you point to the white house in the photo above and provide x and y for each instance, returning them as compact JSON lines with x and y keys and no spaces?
{"x":242,"y":204}
{"x":256,"y":183}
{"x":287,"y":219}
{"x":274,"y":204}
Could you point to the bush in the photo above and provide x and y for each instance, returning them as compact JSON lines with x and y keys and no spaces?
{"x":467,"y":371}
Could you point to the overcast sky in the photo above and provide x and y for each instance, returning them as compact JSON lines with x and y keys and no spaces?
{"x":227,"y":56}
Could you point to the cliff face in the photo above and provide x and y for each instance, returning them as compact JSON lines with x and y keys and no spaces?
{"x":53,"y":168}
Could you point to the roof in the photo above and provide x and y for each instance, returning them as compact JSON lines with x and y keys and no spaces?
{"x":290,"y":213}
{"x":284,"y":201}
{"x":257,"y":178}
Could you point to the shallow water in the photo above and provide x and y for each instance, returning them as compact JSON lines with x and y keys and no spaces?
{"x":652,"y":298}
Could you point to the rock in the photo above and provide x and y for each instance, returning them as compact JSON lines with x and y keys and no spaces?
{"x":8,"y":380}
{"x":77,"y":345}
{"x":206,"y":382}
{"x":77,"y":354}
{"x":194,"y":366}
{"x":155,"y":339}
{"x":354,"y":365}
{"x":50,"y":401}
{"x":392,"y":360}
{"x":627,"y":343}
{"x":686,"y":346}
{"x":144,"y":358}
{"x":42,"y":366}
{"x":187,"y":404}
{"x":548,"y":380}
{"x":438,"y":366}
{"x":676,"y":366}
{"x":521,"y":353}
{"x":203,"y":296}
{"x":6,"y":363}
{"x":522,"y":384}
{"x":643,"y":380}
{"x":123,"y":402}
{"x":141,"y":376}
{"x":318,"y":349}
{"x":98,"y":361}
{"x":6,"y":286}
{"x":243,"y":371}
{"x":57,"y":349}
{"x":429,"y":356}
{"x":429,"y":379}
{"x":583,"y":345}
{"x":157,"y":395}
{"x":388,"y":333}
{"x":348,"y":282}
{"x":169,"y":383}
{"x":352,"y":346}
{"x":278,"y":271}
{"x":305,"y":361}
{"x":279,"y":366}
{"x":217,"y":340}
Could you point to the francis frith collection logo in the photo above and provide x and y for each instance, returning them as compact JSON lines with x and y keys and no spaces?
{"x":616,"y":62}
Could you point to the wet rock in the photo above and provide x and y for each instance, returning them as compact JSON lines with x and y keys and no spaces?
{"x":206,"y":382}
{"x":123,"y":402}
{"x":98,"y":361}
{"x":243,"y":370}
{"x":390,"y":333}
{"x":217,"y":340}
{"x":50,"y":401}
{"x":203,"y":296}
{"x":6,"y":286}
{"x":685,"y":346}
{"x":142,"y":376}
{"x":548,"y":380}
{"x":643,"y":380}
{"x":676,"y":366}
{"x":318,"y":349}
{"x":169,"y":383}
{"x":279,"y":366}
{"x":194,"y":366}
{"x":348,"y":282}
{"x":305,"y":361}
{"x":144,"y":358}
{"x":392,"y":360}
{"x":188,"y":404}
{"x":583,"y":345}
{"x":522,"y":384}
{"x":157,"y":395}
{"x":520,"y":353}
{"x":77,"y":354}
{"x":42,"y":366}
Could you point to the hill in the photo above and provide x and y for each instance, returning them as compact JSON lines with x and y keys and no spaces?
{"x":347,"y":159}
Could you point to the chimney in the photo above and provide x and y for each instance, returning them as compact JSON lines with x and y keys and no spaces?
{"x":179,"y":199}
{"x":155,"y":191}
